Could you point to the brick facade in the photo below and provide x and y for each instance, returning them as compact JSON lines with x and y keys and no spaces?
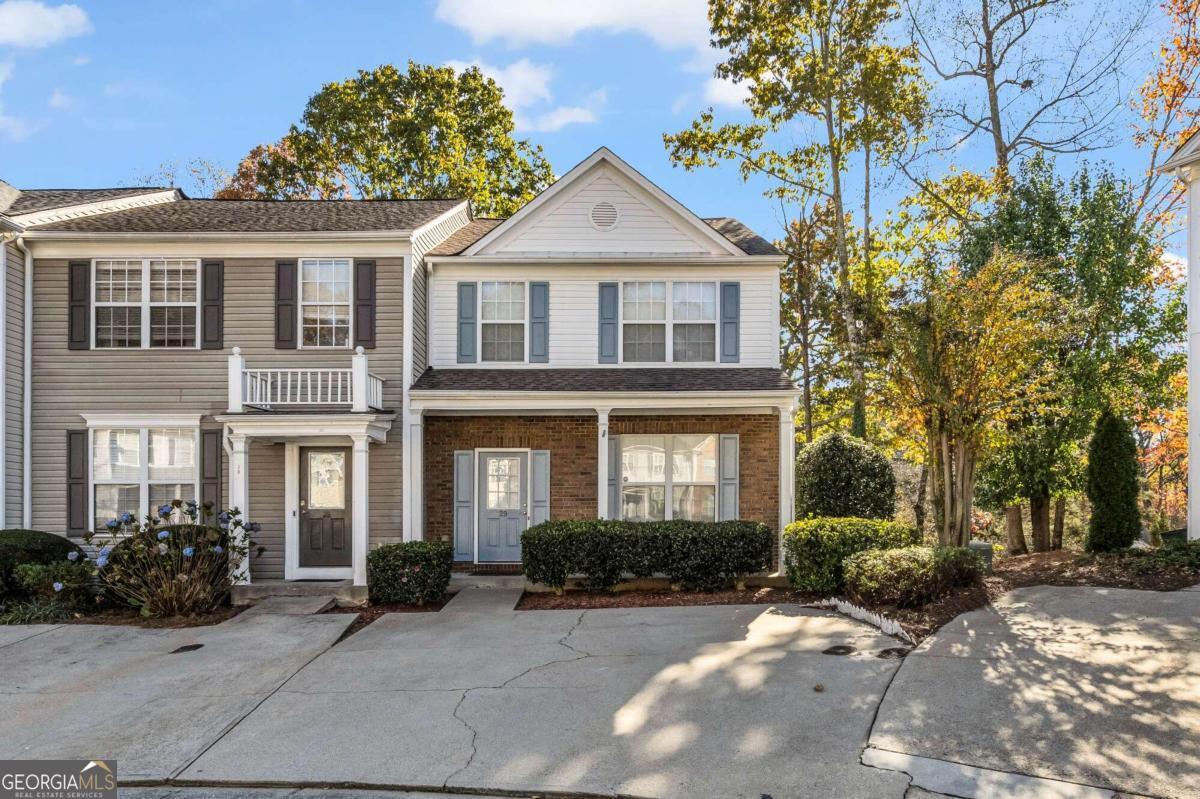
{"x":572,"y":444}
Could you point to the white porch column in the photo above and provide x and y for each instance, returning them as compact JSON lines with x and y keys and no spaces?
{"x":1192,"y":175}
{"x":787,"y":460}
{"x":237,"y":366}
{"x":414,"y":473}
{"x":358,"y":381}
{"x":360,"y":511}
{"x":602,"y":462}
{"x":239,"y":495}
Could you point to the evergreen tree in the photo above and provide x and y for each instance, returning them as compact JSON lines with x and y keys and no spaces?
{"x":1112,"y":486}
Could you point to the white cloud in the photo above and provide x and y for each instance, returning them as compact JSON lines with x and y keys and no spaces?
{"x":721,"y":92}
{"x":61,"y":100}
{"x":6,"y":71}
{"x":558,"y":118}
{"x":524,"y":82}
{"x":671,"y":24}
{"x":14,"y":128}
{"x":31,"y":23}
{"x":81,"y":60}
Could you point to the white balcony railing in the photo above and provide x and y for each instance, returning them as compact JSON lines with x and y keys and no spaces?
{"x":355,"y":388}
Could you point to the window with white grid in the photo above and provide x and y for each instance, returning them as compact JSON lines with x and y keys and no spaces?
{"x":138,"y":470}
{"x":682,"y":330}
{"x":147,"y":302}
{"x":325,"y":302}
{"x":502,"y":316}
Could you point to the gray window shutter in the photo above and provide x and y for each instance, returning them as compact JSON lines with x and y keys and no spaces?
{"x":727,"y":498}
{"x":731,"y":318}
{"x":614,"y":477}
{"x":210,"y":469}
{"x":539,"y":322}
{"x":212,"y":301}
{"x":467,"y":322}
{"x":287,"y":305}
{"x":609,"y":305}
{"x":77,"y":483}
{"x":364,"y":304}
{"x":464,"y":505}
{"x":539,"y":486}
{"x":79,"y":302}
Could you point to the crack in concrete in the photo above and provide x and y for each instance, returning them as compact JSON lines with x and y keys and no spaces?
{"x":474,"y":736}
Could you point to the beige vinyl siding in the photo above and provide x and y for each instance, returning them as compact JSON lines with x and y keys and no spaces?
{"x":14,"y":385}
{"x":69,"y":383}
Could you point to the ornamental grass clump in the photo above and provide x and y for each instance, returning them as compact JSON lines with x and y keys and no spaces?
{"x":166,"y":567}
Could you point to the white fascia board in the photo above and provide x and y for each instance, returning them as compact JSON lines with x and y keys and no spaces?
{"x":306,"y":235}
{"x":8,"y":224}
{"x":134,"y":419}
{"x":1185,"y":155}
{"x":441,"y":218}
{"x":648,"y":259}
{"x":99,"y":207}
{"x":297,"y":425}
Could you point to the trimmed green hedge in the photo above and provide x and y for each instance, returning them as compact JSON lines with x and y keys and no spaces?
{"x":909,"y":576}
{"x":705,"y":556}
{"x":411,"y":573}
{"x":842,"y":476}
{"x":30,"y":546}
{"x":815,"y":548}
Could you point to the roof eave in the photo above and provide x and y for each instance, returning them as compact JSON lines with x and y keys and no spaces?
{"x":554,"y":260}
{"x":304,"y":235}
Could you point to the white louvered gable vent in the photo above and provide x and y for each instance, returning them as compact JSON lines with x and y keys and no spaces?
{"x":604,"y":215}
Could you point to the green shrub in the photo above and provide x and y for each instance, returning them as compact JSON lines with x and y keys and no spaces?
{"x":842,"y":476}
{"x":1112,"y":486}
{"x":815,"y":548}
{"x":909,"y":576}
{"x":38,"y":610}
{"x":30,"y":546}
{"x":64,"y":581}
{"x":411,"y":573}
{"x":698,"y":555}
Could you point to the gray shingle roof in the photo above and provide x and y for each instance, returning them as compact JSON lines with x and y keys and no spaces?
{"x":710,"y":379}
{"x":743,"y":237}
{"x":261,"y":216}
{"x":31,"y":200}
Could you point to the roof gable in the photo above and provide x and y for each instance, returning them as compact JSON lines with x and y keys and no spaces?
{"x":566,"y":220}
{"x":1185,"y":154}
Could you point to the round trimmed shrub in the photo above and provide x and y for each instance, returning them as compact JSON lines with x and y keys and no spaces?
{"x":842,"y":476}
{"x":411,"y":573}
{"x":815,"y":548}
{"x":1112,"y":486}
{"x":910,"y":576}
{"x":30,"y":546}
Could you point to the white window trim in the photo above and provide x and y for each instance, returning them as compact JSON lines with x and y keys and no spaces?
{"x":300,"y":303}
{"x":143,"y":426}
{"x":669,"y":322}
{"x":523,"y":322}
{"x":669,"y":483}
{"x":145,"y":304}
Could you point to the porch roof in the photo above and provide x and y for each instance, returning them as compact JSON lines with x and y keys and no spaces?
{"x":608,"y":379}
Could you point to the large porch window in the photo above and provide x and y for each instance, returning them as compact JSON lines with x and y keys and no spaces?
{"x":136,"y":470}
{"x":669,"y":477}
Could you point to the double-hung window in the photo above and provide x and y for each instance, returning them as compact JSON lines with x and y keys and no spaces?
{"x":137,"y":470}
{"x":325,"y":297}
{"x":688,"y":322}
{"x":669,"y":477}
{"x":502,"y":317}
{"x":147,"y":302}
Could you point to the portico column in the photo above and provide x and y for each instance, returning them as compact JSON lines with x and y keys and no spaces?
{"x":414,"y":472}
{"x":787,"y":459}
{"x":239,"y":496}
{"x":360,"y":510}
{"x":602,"y":463}
{"x":1191,"y":175}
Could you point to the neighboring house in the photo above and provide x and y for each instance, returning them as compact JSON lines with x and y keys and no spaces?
{"x":351,"y":373}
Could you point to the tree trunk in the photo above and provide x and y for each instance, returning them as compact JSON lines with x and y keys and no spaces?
{"x":995,"y":120}
{"x":919,"y":504}
{"x":1060,"y":518}
{"x":1016,"y":533}
{"x":1039,"y":522}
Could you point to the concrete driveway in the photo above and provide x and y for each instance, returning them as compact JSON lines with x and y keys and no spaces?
{"x":733,"y":701}
{"x":1088,"y":685}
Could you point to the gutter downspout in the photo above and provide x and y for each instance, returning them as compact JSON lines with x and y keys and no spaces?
{"x":26,"y":393}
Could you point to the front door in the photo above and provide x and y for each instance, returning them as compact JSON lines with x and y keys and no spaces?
{"x":325,"y":507}
{"x":503,"y":505}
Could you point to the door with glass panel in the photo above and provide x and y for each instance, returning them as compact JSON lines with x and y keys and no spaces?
{"x":503,"y":505}
{"x":325,"y":507}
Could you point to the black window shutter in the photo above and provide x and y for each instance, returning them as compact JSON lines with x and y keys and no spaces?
{"x":364,"y":304}
{"x":287,"y":305}
{"x":210,"y":469}
{"x":212,"y":305}
{"x":79,"y":301}
{"x":77,"y":483}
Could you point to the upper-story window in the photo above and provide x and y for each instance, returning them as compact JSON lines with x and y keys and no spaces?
{"x":148,"y":302}
{"x":648,"y":322}
{"x":502,"y":317}
{"x":325,"y":297}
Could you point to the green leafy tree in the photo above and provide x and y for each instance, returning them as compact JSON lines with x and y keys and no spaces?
{"x":1112,"y":486}
{"x":427,"y":132}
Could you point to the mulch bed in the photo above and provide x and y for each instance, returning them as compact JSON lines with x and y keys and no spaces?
{"x":588,"y":600}
{"x":1078,"y":568}
{"x":129,"y":617}
{"x":370,"y":613}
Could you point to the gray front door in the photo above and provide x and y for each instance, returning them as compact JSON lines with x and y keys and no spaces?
{"x":325,"y":507}
{"x":503,"y":505}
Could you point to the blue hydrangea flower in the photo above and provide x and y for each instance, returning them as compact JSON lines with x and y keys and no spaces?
{"x":101,"y":561}
{"x":112,"y":524}
{"x":165,"y":510}
{"x":163,"y":534}
{"x":218,"y":549}
{"x":223,"y":517}
{"x":188,"y":552}
{"x":253,"y":527}
{"x":58,"y":586}
{"x":126,"y":518}
{"x":72,"y":556}
{"x":105,"y":550}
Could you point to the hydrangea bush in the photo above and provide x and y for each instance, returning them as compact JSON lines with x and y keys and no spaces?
{"x":167,"y":567}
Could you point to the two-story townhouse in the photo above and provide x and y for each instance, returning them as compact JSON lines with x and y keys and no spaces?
{"x":350,"y":373}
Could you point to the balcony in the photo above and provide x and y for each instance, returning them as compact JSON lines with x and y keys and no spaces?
{"x":354,"y":389}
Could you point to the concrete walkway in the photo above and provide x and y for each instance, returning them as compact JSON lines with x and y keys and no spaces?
{"x":1098,"y":687}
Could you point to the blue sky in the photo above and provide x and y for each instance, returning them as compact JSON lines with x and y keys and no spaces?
{"x":100,"y":92}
